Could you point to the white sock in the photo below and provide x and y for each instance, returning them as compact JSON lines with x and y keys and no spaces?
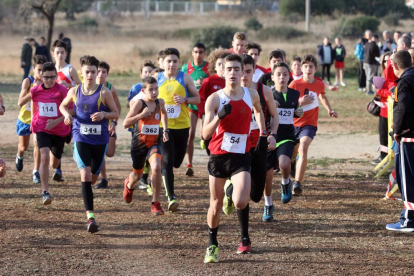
{"x":268,"y":200}
{"x":19,"y":156}
{"x":285,"y":181}
{"x":35,"y":171}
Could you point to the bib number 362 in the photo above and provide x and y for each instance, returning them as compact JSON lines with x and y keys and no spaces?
{"x":150,"y":129}
{"x":90,"y":129}
{"x":235,"y":143}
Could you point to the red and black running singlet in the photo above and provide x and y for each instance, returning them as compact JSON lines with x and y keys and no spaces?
{"x":254,"y":127}
{"x":232,"y":133}
{"x":146,"y":130}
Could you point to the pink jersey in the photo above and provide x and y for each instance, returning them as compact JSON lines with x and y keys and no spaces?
{"x":45,"y":107}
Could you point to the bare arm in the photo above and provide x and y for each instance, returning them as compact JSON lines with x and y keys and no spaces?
{"x":271,"y":106}
{"x":326,"y":104}
{"x":195,"y":98}
{"x":64,"y":106}
{"x":74,"y":75}
{"x":116,"y":99}
{"x":108,"y":100}
{"x":211,"y":120}
{"x":24,"y":96}
{"x":164,"y":120}
{"x":257,"y":109}
{"x":134,"y":114}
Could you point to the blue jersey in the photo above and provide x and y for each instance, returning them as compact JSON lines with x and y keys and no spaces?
{"x":134,"y":91}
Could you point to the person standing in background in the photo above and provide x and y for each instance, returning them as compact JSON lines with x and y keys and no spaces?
{"x":26,"y":56}
{"x":371,"y":52}
{"x":326,"y":56}
{"x":42,"y":50}
{"x":339,"y":56}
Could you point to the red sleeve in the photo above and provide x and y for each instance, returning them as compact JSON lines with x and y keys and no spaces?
{"x":384,"y":92}
{"x":203,"y":97}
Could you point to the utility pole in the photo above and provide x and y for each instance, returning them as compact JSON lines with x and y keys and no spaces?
{"x":307,"y":15}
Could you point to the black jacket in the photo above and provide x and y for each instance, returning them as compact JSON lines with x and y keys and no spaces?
{"x":403,"y":112}
{"x":286,"y":131}
{"x":321,"y":53}
{"x":340,"y":53}
{"x":371,"y":51}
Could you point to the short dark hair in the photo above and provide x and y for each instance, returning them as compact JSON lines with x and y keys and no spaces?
{"x":398,"y":32}
{"x":42,"y":37}
{"x":90,"y":61}
{"x":403,"y":59}
{"x":147,"y":63}
{"x":82,"y":58}
{"x":310,"y":58}
{"x":171,"y":51}
{"x":39,"y":59}
{"x":280,"y":64}
{"x":234,"y":57}
{"x":59,"y":43}
{"x":148,"y":80}
{"x":248,"y":60}
{"x":276,"y":54}
{"x":200,"y":46}
{"x":105,"y":65}
{"x":48,"y":66}
{"x":160,"y":54}
{"x":376,"y":36}
{"x":296,"y":58}
{"x":252,"y":45}
{"x":406,"y":40}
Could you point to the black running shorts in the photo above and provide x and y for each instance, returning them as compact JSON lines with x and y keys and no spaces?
{"x":227,"y":165}
{"x":53,"y":142}
{"x":273,"y":155}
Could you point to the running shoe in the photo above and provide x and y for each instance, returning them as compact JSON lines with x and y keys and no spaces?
{"x":244,"y":247}
{"x":268,"y":213}
{"x":57,"y":176}
{"x":211,"y":254}
{"x":156,"y":209}
{"x":376,"y":161}
{"x":46,"y":198}
{"x":19,"y":164}
{"x":293,"y":169}
{"x":228,"y":205}
{"x":142,"y":184}
{"x":360,"y":89}
{"x":102,"y":185}
{"x":127,"y":192}
{"x":36,"y":178}
{"x":399,"y":227}
{"x":92,"y":227}
{"x":335,"y":84}
{"x":190,"y":171}
{"x":343,"y":84}
{"x":149,"y":188}
{"x":286,"y":192}
{"x":173,"y":204}
{"x":297,"y":189}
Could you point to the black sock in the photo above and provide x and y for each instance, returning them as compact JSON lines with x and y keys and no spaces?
{"x":212,"y":236}
{"x":383,"y":154}
{"x":229,"y":191}
{"x":243,"y":216}
{"x":87,"y":195}
{"x":145,"y":176}
{"x":58,"y":167}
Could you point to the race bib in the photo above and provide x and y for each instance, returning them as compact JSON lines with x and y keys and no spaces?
{"x":28,"y":106}
{"x":312,"y":105}
{"x":173,"y":111}
{"x":150,"y":129}
{"x":48,"y":109}
{"x":253,"y":123}
{"x":285,"y":116}
{"x":235,"y":143}
{"x":90,"y":129}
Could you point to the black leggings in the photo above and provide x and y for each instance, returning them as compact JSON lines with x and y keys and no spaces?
{"x":328,"y":71}
{"x":383,"y":133}
{"x":258,"y":174}
{"x":173,"y":153}
{"x":362,"y":78}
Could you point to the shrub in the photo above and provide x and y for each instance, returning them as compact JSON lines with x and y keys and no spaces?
{"x":356,"y":26}
{"x":280,"y":33}
{"x":184,"y":33}
{"x":253,"y":24}
{"x":392,"y":19}
{"x":214,"y":37}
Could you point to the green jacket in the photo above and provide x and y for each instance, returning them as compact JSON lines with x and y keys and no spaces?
{"x":26,"y":56}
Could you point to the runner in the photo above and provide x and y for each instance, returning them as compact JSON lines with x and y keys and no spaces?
{"x":47,"y":123}
{"x":2,"y":163}
{"x":275,"y":56}
{"x":238,"y":43}
{"x":94,"y":106}
{"x":254,"y":50}
{"x":271,"y":120}
{"x":198,"y":71}
{"x":281,"y":157}
{"x":79,"y":72}
{"x":25,"y":117}
{"x":160,"y":60}
{"x":146,"y":115}
{"x":295,"y":66}
{"x":177,"y":90}
{"x":311,"y":90}
{"x":103,"y":72}
{"x":2,"y":108}
{"x":210,"y":85}
{"x":227,"y":121}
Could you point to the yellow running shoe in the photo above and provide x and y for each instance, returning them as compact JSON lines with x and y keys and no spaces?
{"x":211,"y":254}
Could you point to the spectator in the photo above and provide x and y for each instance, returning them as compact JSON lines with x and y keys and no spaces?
{"x":359,"y":53}
{"x":326,"y":56}
{"x":403,"y":133}
{"x":339,"y":57}
{"x":68,"y":44}
{"x":386,"y":45}
{"x":397,"y":35}
{"x":411,"y":51}
{"x":371,"y":52}
{"x":404,"y":43}
{"x":42,"y":50}
{"x":26,"y":56}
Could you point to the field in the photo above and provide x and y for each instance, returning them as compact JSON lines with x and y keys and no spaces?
{"x":336,"y":228}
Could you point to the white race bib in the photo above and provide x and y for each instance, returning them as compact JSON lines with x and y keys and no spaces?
{"x":28,"y":106}
{"x":253,"y":123}
{"x":90,"y":129}
{"x":235,"y":143}
{"x":286,"y":116}
{"x":312,"y":105}
{"x":150,"y":129}
{"x":48,"y":109}
{"x":173,"y":111}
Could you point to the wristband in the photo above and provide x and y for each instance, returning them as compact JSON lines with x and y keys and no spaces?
{"x":115,"y":122}
{"x":166,"y":130}
{"x":274,"y":135}
{"x":186,"y":100}
{"x":264,"y":133}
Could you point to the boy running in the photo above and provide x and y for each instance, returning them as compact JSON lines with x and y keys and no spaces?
{"x":254,"y":50}
{"x":145,"y":115}
{"x":103,"y":72}
{"x":280,"y":158}
{"x":198,"y":71}
{"x":94,"y":106}
{"x":311,"y":90}
{"x":25,"y":116}
{"x":238,"y":43}
{"x":227,"y":121}
{"x":177,"y":90}
{"x":67,"y":74}
{"x":48,"y":125}
{"x":275,"y":56}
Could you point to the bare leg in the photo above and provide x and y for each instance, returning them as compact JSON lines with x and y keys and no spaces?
{"x":269,"y":181}
{"x":336,"y":75}
{"x":36,"y":154}
{"x":284,"y":165}
{"x":341,"y":74}
{"x":303,"y":158}
{"x":216,"y":200}
{"x":241,"y":189}
{"x":103,"y":171}
{"x":23,"y":145}
{"x":44,"y":168}
{"x":156,"y":178}
{"x":190,"y":144}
